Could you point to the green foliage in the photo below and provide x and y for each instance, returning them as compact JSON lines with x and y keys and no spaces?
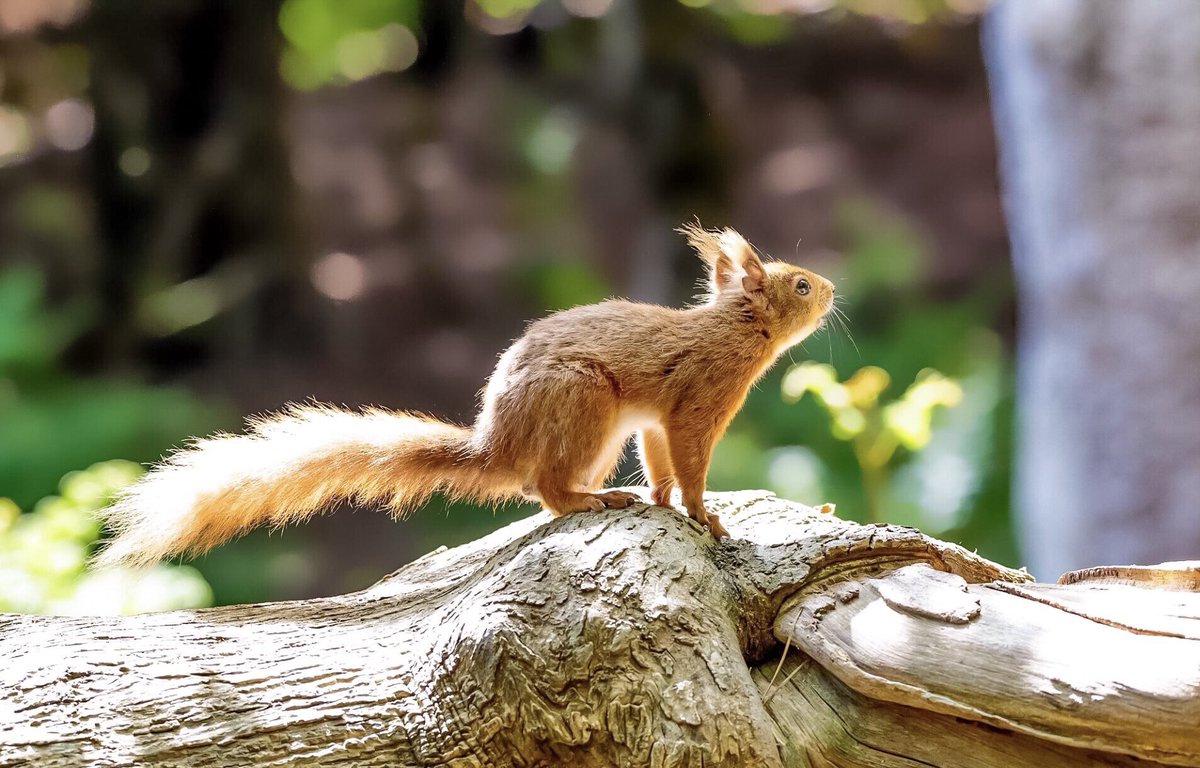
{"x":31,"y":339}
{"x":503,"y":9}
{"x":746,"y":25}
{"x":884,"y":252}
{"x":54,"y":422}
{"x":875,"y":431}
{"x":342,"y":40}
{"x":561,"y":284}
{"x":756,"y":23}
{"x":43,"y":555}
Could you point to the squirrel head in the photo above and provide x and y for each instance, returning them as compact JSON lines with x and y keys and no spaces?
{"x":789,"y":301}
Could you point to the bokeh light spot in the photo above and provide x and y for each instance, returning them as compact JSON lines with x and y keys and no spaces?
{"x":799,"y":169}
{"x":588,"y":9}
{"x":340,"y":276}
{"x":14,"y":133}
{"x":551,"y":145}
{"x":134,"y":162}
{"x":69,"y":124}
{"x":400,"y":47}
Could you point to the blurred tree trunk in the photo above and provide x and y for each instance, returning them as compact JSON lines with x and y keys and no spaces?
{"x":631,"y":638}
{"x":1098,"y":112}
{"x":190,"y":174}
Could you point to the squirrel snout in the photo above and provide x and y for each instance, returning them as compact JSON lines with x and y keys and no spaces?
{"x":827,"y":294}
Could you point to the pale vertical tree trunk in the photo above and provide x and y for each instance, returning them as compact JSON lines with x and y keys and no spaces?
{"x":1098,"y":113}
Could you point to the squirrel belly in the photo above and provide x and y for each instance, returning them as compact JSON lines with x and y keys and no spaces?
{"x":289,"y":467}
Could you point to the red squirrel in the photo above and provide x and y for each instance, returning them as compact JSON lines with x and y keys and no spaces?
{"x":556,"y":415}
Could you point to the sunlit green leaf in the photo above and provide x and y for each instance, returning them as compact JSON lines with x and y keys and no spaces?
{"x":346,"y":39}
{"x":43,"y":555}
{"x":866,"y":385}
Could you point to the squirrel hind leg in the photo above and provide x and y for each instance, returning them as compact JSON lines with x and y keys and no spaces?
{"x":566,"y":479}
{"x":606,"y":463}
{"x":578,"y":441}
{"x":561,"y":478}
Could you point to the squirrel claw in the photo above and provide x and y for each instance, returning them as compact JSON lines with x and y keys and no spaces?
{"x":715,"y":528}
{"x":709,"y":522}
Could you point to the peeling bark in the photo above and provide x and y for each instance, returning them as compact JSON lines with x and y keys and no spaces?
{"x":624,"y":637}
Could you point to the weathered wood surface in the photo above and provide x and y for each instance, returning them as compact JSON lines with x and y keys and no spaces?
{"x":1103,"y":667}
{"x":632,"y":638}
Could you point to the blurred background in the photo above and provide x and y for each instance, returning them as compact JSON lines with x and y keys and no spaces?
{"x":209,"y":208}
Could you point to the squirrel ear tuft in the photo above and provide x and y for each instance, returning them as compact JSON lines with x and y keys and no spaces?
{"x":732,"y":262}
{"x":745,"y":261}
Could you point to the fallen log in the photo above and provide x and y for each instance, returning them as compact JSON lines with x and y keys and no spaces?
{"x":631,"y":637}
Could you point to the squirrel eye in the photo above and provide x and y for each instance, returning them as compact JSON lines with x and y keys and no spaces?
{"x":803,"y":287}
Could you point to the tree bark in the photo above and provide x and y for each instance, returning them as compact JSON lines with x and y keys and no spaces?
{"x":631,"y":637}
{"x":1098,"y":113}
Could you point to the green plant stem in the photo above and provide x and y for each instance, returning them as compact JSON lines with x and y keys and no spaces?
{"x":874,"y":481}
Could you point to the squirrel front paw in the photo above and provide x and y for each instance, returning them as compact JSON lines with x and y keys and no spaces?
{"x":697,"y":512}
{"x":715,"y":528}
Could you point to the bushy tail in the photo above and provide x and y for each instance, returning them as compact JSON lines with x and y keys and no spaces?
{"x":289,"y":467}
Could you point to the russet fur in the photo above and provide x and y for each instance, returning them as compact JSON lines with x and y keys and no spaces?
{"x":556,"y":415}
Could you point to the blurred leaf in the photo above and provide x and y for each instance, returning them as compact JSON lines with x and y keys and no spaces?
{"x":757,"y":29}
{"x":504,"y":9}
{"x":562,"y":284}
{"x":31,"y":336}
{"x":883,"y":250}
{"x":866,"y":385}
{"x":551,"y":144}
{"x":8,"y":513}
{"x":73,"y":422}
{"x":43,"y":555}
{"x":939,"y":489}
{"x":875,"y":430}
{"x":808,"y":377}
{"x":346,"y":39}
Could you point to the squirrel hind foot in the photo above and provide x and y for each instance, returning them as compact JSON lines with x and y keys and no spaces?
{"x":561,"y":504}
{"x":565,"y":504}
{"x":618,"y":499}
